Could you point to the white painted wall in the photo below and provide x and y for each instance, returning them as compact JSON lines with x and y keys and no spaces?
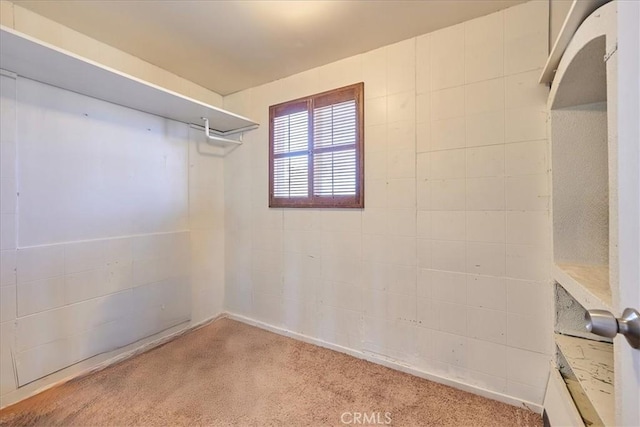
{"x":447,"y":269}
{"x":118,"y":232}
{"x":127,"y":169}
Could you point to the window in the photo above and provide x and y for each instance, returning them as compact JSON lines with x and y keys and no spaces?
{"x":316,"y":150}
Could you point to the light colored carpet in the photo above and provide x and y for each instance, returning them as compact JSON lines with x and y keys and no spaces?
{"x":229,"y":373}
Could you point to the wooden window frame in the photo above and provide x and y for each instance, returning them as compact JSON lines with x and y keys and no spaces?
{"x":355,"y":92}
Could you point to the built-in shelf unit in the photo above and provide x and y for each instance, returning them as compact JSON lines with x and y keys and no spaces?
{"x":28,"y":57}
{"x":583,"y":152}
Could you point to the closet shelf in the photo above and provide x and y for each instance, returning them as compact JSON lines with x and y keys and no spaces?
{"x":33,"y":59}
{"x":587,"y":284}
{"x":591,"y":385}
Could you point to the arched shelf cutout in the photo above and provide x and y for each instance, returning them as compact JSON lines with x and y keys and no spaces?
{"x":581,"y":75}
{"x":584,"y":80}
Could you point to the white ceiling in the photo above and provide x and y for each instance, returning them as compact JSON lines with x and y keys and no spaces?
{"x":228,"y":46}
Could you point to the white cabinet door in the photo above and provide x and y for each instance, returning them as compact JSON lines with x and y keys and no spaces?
{"x":627,"y":359}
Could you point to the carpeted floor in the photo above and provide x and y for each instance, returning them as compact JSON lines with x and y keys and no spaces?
{"x":229,"y":373}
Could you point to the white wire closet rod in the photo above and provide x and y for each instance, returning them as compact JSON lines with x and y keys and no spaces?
{"x":218,"y":136}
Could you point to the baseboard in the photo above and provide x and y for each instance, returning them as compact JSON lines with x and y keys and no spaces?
{"x":101,"y":361}
{"x":390,"y":363}
{"x":26,"y":392}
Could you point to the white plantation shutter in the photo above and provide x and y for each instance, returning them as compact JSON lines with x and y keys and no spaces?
{"x":334,"y":173}
{"x":334,"y":125}
{"x":291,"y":177}
{"x":334,"y":136}
{"x":316,"y":151}
{"x":291,"y":133}
{"x":291,"y":155}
